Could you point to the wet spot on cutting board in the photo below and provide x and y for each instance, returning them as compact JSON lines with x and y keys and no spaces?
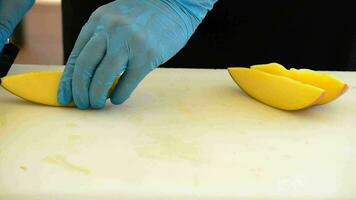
{"x":23,"y":168}
{"x":71,"y":125}
{"x":74,"y":138}
{"x":184,"y":108}
{"x":196,"y":181}
{"x":171,"y":147}
{"x":2,"y":120}
{"x":62,"y":161}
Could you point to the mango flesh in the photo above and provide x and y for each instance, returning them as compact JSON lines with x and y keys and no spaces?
{"x":37,"y":87}
{"x":274,"y":90}
{"x":332,"y":86}
{"x":272,"y":68}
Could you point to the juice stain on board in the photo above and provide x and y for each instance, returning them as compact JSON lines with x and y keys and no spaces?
{"x":23,"y":168}
{"x":165,"y":146}
{"x":62,"y":161}
{"x":2,"y":120}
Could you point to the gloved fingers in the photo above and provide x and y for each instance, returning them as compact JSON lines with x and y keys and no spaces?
{"x":128,"y":82}
{"x":6,"y":29}
{"x":64,"y":95}
{"x":109,"y":69}
{"x":85,"y":66}
{"x":11,"y":13}
{"x":4,"y":35}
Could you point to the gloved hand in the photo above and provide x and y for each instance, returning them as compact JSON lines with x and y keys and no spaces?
{"x":11,"y":12}
{"x":132,"y":37}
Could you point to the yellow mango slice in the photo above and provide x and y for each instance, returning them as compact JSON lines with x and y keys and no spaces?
{"x":37,"y":87}
{"x":277,"y":91}
{"x":332,"y":86}
{"x":272,"y":68}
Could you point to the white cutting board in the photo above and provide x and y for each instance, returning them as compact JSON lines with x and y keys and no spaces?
{"x":185,"y":135}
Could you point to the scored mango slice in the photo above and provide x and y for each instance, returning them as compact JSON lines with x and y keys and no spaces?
{"x":37,"y":87}
{"x":272,"y":68}
{"x":333,"y":87}
{"x":274,"y":90}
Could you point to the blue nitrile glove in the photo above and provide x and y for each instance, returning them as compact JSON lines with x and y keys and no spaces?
{"x":11,"y":13}
{"x":132,"y":37}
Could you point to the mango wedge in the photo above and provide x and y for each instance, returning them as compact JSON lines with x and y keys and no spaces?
{"x":37,"y":87}
{"x":274,"y":90}
{"x":333,"y":87}
{"x":272,"y":68}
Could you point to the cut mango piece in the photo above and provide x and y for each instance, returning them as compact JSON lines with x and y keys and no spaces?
{"x":272,"y":68}
{"x":37,"y":87}
{"x":332,"y":86}
{"x":277,"y":91}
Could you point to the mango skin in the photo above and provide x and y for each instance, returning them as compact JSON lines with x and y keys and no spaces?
{"x":38,"y":87}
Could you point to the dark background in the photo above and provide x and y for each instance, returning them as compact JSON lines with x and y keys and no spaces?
{"x":301,"y":34}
